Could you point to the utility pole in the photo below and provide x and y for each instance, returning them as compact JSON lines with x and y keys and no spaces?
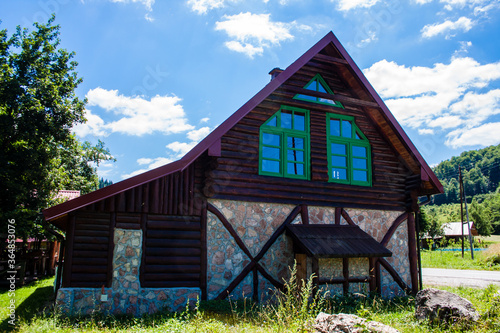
{"x":463,"y":199}
{"x":461,"y":206}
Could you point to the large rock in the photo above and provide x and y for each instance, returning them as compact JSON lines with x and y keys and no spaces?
{"x":347,"y":323}
{"x":439,"y":305}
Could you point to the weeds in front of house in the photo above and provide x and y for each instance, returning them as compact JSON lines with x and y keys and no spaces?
{"x":293,"y":310}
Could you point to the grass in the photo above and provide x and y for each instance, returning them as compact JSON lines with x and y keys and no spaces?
{"x":483,"y":260}
{"x":30,"y":301}
{"x":293,"y":312}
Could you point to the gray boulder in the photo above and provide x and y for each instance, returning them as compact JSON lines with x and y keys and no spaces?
{"x":439,"y":305}
{"x":347,"y":323}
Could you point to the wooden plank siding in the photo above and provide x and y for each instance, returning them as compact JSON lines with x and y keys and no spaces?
{"x":235,"y":176}
{"x":89,"y":263}
{"x":173,"y":251}
{"x":168,"y":210}
{"x":174,"y":194}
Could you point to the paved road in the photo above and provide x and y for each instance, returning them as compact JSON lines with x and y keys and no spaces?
{"x":457,"y":277}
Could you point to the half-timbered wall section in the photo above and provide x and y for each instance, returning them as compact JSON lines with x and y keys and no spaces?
{"x":236,"y":172}
{"x":314,"y":169}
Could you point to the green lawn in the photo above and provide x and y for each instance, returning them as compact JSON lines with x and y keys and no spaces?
{"x":454,"y":260}
{"x":222,"y":316}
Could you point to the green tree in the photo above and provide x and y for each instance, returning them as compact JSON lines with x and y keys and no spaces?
{"x":38,"y":108}
{"x":481,"y":216}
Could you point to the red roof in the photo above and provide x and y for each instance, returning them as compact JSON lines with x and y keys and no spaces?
{"x":212,"y":141}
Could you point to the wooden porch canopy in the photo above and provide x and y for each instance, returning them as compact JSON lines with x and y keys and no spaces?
{"x":336,"y":241}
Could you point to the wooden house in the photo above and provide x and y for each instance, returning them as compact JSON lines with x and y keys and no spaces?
{"x":313,"y":168}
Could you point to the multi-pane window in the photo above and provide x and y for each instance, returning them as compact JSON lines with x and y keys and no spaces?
{"x":284,"y":144}
{"x":349,"y":156}
{"x":318,"y":84}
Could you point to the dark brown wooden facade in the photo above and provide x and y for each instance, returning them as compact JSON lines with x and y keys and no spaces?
{"x":170,"y":204}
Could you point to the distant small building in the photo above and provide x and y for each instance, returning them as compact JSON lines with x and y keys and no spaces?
{"x":453,"y":230}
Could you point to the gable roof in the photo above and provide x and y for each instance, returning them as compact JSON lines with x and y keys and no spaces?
{"x":379,"y":113}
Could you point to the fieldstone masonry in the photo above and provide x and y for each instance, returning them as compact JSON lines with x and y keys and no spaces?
{"x":254,"y":223}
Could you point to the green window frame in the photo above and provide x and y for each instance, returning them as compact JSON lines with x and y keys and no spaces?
{"x":284,"y":144}
{"x":318,"y":84}
{"x":349,"y":152}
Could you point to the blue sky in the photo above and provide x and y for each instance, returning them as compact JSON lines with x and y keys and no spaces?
{"x":160,"y":75}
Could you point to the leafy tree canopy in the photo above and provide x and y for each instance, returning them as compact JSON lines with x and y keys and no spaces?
{"x":38,"y":108}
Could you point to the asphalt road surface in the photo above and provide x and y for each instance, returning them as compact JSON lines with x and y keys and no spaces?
{"x":458,"y":277}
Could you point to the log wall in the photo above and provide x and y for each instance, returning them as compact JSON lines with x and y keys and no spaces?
{"x":235,"y":176}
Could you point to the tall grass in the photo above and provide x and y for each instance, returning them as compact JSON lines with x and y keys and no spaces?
{"x":293,"y":310}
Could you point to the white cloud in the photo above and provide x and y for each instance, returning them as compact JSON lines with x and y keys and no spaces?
{"x":444,"y":96}
{"x":431,"y":30}
{"x":483,"y":105}
{"x":245,"y":48}
{"x":181,"y":148}
{"x":197,"y":135}
{"x":139,"y":116}
{"x":251,"y":33}
{"x":426,"y":131}
{"x":147,"y":3}
{"x":203,"y":6}
{"x":152,"y":163}
{"x":484,"y":135}
{"x":93,"y":126}
{"x":345,"y":5}
{"x":446,"y":122}
{"x":204,"y":120}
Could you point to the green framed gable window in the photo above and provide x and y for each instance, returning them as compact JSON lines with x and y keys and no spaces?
{"x":318,"y":84}
{"x":284,"y":144}
{"x":349,"y":152}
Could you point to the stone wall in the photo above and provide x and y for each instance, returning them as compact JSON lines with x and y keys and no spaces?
{"x":125,"y":295}
{"x":256,"y":222}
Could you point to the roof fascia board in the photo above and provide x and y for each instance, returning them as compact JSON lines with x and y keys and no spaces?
{"x":256,"y":100}
{"x":399,"y":130}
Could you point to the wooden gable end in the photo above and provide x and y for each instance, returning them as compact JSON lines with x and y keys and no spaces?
{"x":235,"y":173}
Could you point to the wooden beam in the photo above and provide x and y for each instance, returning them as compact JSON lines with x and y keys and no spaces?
{"x":345,"y":273}
{"x":255,"y":284}
{"x":223,"y":294}
{"x":68,"y":255}
{"x":338,"y":215}
{"x":388,"y":235}
{"x":111,"y":247}
{"x":329,"y":59}
{"x":394,"y":275}
{"x":347,"y":217}
{"x":204,"y":259}
{"x":211,"y":208}
{"x":304,"y":214}
{"x":372,"y":271}
{"x":337,"y":97}
{"x":412,"y":253}
{"x":278,"y":232}
{"x":301,"y":261}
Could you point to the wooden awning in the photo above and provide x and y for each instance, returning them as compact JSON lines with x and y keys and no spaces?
{"x":335,"y":241}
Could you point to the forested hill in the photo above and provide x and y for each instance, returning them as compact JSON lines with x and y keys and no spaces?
{"x":481,"y":174}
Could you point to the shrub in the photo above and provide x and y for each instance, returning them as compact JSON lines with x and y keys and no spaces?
{"x":492,"y":255}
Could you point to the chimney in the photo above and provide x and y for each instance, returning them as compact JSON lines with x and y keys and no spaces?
{"x":275,"y":72}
